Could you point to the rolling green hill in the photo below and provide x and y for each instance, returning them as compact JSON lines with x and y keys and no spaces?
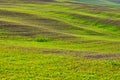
{"x":101,"y":2}
{"x":59,"y":40}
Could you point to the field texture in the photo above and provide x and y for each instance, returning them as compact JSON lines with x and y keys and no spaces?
{"x":59,"y":40}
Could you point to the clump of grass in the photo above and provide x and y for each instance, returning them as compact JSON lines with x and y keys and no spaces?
{"x":114,"y":63}
{"x":42,"y":39}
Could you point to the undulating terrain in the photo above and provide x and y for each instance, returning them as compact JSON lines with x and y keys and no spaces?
{"x":59,"y":40}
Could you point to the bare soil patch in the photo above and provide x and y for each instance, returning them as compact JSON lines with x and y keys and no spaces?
{"x":103,"y":56}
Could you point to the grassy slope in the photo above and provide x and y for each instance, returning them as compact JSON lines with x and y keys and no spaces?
{"x":52,"y":40}
{"x":101,"y":2}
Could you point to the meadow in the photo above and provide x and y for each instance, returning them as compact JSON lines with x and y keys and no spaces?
{"x":57,"y":40}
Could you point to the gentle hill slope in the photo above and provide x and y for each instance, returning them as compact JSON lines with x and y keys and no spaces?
{"x":101,"y":2}
{"x":60,"y":21}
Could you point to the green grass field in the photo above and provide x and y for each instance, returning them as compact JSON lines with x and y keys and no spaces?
{"x":101,"y":2}
{"x":59,"y":40}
